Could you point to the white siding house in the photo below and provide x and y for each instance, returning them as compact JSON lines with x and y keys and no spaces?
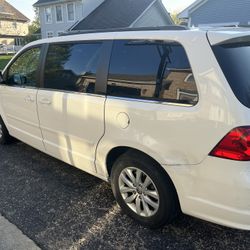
{"x":217,"y":13}
{"x":57,"y":16}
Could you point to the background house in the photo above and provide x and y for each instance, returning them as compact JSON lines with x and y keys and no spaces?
{"x":57,"y":16}
{"x":217,"y":13}
{"x":126,"y":13}
{"x":13,"y":24}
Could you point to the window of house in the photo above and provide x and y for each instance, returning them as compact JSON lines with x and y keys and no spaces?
{"x":48,"y":15}
{"x":71,"y":11}
{"x":151,"y":70}
{"x":50,"y":34}
{"x":72,"y":67}
{"x":59,"y":13}
{"x":14,"y":25}
{"x":59,"y":33}
{"x":23,"y":72}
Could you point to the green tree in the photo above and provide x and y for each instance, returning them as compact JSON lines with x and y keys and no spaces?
{"x":34,"y":29}
{"x":175,"y":18}
{"x":35,"y":26}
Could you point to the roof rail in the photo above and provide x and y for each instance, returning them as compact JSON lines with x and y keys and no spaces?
{"x":243,"y":25}
{"x":169,"y":27}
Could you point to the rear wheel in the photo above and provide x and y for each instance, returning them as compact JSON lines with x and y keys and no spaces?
{"x":143,"y":190}
{"x":5,"y":137}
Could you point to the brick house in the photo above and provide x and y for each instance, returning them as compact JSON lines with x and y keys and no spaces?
{"x":13,"y":24}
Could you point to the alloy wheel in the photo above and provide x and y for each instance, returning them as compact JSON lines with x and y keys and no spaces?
{"x":139,"y":191}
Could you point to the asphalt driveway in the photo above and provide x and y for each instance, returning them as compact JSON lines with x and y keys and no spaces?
{"x":60,"y":207}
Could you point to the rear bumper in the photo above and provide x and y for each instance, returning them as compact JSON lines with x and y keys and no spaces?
{"x":215,"y":190}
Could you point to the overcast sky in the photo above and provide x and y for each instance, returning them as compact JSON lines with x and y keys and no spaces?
{"x":25,"y":6}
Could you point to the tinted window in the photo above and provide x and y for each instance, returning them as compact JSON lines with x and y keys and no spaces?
{"x":24,"y":71}
{"x":72,"y":67}
{"x":151,"y":70}
{"x":234,"y":60}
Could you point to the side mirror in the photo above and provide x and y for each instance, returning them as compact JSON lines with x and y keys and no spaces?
{"x":1,"y":77}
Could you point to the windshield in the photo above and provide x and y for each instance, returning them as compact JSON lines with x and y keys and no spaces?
{"x":234,"y":60}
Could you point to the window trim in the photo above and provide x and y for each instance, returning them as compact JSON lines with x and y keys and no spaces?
{"x":38,"y":84}
{"x":74,"y":9}
{"x":45,"y":15}
{"x":61,"y":6}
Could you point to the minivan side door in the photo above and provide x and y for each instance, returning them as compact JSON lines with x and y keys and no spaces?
{"x":18,"y":97}
{"x":151,"y":92}
{"x":71,"y":114}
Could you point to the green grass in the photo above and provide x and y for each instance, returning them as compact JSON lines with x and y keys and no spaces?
{"x":4,"y":59}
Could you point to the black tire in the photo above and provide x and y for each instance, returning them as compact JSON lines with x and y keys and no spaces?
{"x":168,"y":204}
{"x":5,"y":137}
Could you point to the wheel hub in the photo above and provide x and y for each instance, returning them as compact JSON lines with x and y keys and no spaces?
{"x":139,"y":192}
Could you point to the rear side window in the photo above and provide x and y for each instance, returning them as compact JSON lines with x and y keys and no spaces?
{"x":234,"y":60}
{"x":151,"y":70}
{"x":72,"y":67}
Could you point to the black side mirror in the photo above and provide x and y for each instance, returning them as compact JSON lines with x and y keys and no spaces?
{"x":1,"y":77}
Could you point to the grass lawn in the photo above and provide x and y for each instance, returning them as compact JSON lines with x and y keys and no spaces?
{"x":4,"y":59}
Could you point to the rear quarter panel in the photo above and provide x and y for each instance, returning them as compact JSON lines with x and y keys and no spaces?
{"x":175,"y":134}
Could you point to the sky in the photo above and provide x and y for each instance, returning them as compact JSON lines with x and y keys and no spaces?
{"x":25,"y":6}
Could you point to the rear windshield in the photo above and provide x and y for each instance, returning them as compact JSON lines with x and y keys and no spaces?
{"x":234,"y":60}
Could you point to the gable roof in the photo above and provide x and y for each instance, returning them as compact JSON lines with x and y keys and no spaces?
{"x":41,"y":2}
{"x":114,"y":14}
{"x":186,"y":12}
{"x":8,"y":12}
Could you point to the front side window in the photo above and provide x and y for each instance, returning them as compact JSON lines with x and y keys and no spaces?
{"x":23,"y":72}
{"x":71,"y":12}
{"x":72,"y":67}
{"x":48,"y":15}
{"x":59,"y":13}
{"x":152,"y":70}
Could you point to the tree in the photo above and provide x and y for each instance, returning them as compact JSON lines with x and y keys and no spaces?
{"x":35,"y":26}
{"x":175,"y":18}
{"x":34,"y":29}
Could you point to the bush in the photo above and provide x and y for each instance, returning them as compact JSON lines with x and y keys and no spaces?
{"x":4,"y":59}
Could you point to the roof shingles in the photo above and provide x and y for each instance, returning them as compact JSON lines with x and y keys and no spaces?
{"x":39,"y":2}
{"x":8,"y":12}
{"x":114,"y":14}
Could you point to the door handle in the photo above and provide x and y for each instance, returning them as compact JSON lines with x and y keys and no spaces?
{"x":45,"y":101}
{"x":29,"y":99}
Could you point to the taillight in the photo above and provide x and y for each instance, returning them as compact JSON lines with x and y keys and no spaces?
{"x":235,"y":145}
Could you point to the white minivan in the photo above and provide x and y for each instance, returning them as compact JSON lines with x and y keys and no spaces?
{"x":163,"y":114}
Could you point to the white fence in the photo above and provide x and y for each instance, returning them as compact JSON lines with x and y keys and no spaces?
{"x":9,"y":49}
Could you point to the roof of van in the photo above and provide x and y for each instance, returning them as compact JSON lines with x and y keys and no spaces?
{"x":228,"y":34}
{"x":215,"y":35}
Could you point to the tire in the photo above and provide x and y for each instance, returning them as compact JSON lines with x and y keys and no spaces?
{"x":5,"y":137}
{"x":151,"y":199}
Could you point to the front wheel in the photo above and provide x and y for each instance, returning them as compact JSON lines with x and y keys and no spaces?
{"x":143,"y":190}
{"x":5,"y":137}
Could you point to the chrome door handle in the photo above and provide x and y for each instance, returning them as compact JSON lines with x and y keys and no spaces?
{"x":45,"y":101}
{"x":29,"y":99}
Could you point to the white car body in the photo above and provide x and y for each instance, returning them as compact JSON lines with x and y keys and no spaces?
{"x":178,"y":137}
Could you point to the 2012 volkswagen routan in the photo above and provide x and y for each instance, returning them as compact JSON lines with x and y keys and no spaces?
{"x":163,"y":114}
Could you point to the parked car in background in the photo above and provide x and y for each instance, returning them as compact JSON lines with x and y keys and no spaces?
{"x":9,"y":49}
{"x":161,"y":113}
